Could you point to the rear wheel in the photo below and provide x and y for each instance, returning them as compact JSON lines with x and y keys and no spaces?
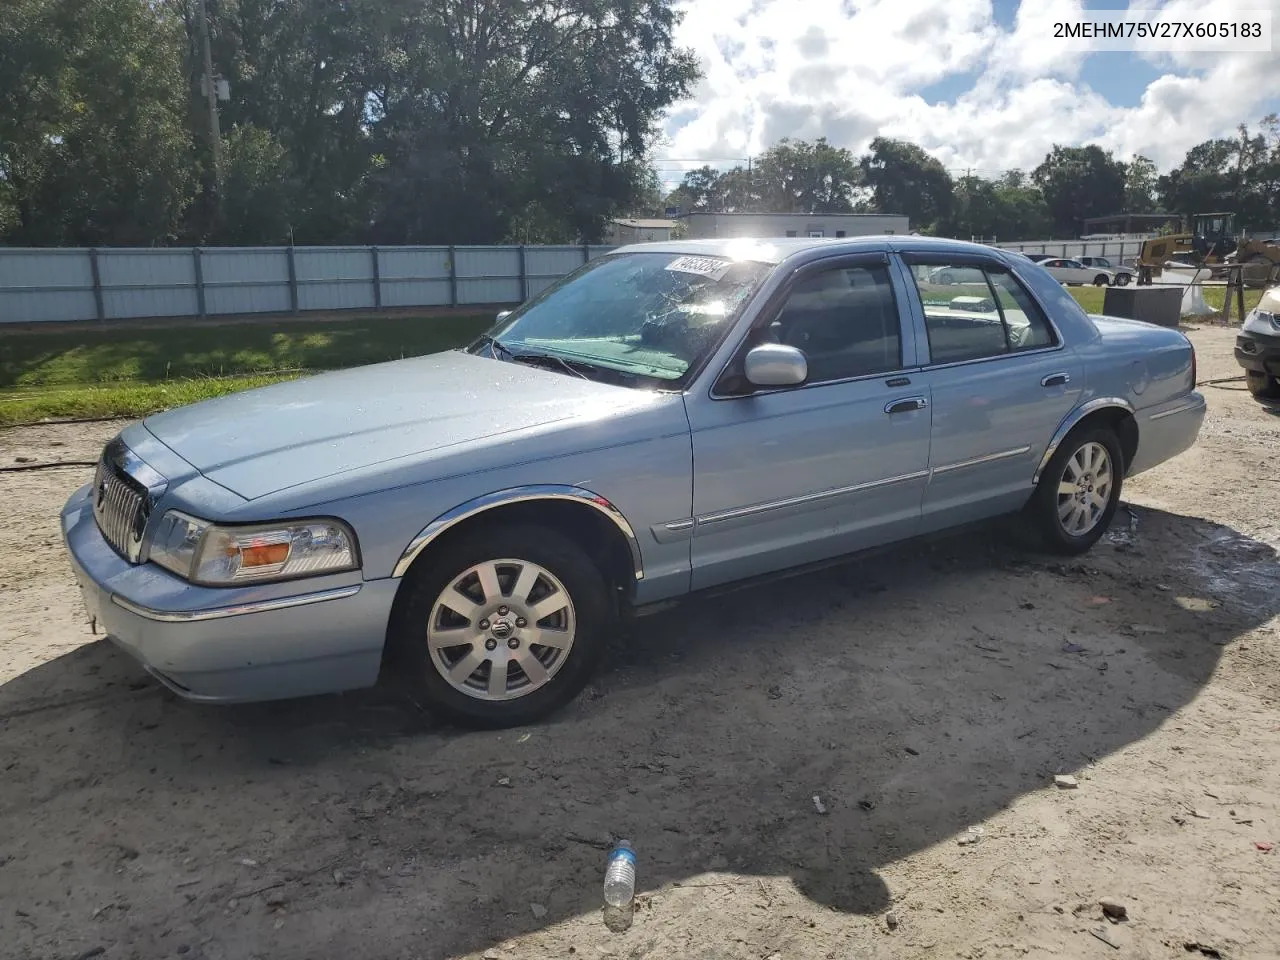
{"x":503,"y":627}
{"x":1262,"y":385}
{"x":1101,"y":280}
{"x":1079,"y":490}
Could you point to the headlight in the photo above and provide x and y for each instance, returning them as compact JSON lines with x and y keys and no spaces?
{"x":206,"y":553}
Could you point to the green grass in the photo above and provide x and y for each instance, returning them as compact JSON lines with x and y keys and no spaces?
{"x":135,"y":370}
{"x":157,"y":354}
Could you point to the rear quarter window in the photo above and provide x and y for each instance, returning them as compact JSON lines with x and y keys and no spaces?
{"x":1062,"y":308}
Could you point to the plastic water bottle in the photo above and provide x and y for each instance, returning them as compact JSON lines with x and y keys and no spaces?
{"x":620,"y":875}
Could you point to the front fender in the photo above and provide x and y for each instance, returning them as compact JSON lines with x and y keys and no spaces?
{"x":524,"y":494}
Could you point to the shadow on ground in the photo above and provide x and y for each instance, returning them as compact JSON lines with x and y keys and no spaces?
{"x":916,"y":693}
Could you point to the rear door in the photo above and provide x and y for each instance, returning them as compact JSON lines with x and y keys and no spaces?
{"x":1001,"y":381}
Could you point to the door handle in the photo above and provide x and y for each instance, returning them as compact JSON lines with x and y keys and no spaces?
{"x":905,"y":405}
{"x":1056,"y":380}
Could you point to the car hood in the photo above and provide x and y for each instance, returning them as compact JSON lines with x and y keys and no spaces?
{"x":269,"y":439}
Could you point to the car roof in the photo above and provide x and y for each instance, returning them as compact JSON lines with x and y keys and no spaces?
{"x":778,"y":249}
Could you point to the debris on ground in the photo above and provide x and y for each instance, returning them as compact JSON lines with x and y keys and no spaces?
{"x":818,"y":805}
{"x":1102,"y":934}
{"x":1203,"y":949}
{"x":1070,"y":647}
{"x":1113,"y":909}
{"x":1264,"y":846}
{"x":1099,"y":601}
{"x":1198,"y":814}
{"x":504,"y":781}
{"x":1147,"y":628}
{"x":891,"y":920}
{"x":970,"y":836}
{"x":1064,"y":781}
{"x":538,"y":910}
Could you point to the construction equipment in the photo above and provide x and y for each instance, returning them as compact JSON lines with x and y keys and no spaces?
{"x":1211,"y":239}
{"x":1260,"y":258}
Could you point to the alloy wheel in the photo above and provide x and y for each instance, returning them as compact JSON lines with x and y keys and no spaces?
{"x":501,"y":629}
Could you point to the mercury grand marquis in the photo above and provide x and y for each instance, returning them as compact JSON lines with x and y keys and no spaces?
{"x":671,"y":417}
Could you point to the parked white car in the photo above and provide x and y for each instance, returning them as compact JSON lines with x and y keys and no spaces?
{"x":1075,"y":272}
{"x":1123,"y":274}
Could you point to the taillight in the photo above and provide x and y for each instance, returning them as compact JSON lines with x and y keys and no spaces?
{"x":1193,"y":364}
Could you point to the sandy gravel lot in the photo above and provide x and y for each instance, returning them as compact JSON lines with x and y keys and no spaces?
{"x":920,"y":695}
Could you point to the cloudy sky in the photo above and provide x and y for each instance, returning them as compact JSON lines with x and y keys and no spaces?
{"x":981,"y":84}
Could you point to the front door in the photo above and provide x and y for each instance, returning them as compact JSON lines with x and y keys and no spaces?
{"x":786,"y":476}
{"x":1001,"y":380}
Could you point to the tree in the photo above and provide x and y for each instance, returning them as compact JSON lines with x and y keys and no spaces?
{"x":795,"y":176}
{"x":1140,"y":184}
{"x":484,"y":109}
{"x":1079,"y":183}
{"x":1241,"y":175}
{"x":906,"y":180}
{"x":94,"y":147}
{"x":1001,"y":209}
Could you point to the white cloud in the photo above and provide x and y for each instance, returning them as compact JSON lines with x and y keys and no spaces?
{"x":851,"y":71}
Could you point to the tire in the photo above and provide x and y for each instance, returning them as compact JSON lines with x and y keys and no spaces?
{"x":1263,"y":386}
{"x":946,"y":279}
{"x":1047,"y":503}
{"x":556,"y":671}
{"x":1122,"y":279}
{"x":1101,"y":280}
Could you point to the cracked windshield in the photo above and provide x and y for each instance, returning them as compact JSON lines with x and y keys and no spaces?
{"x":654,"y":315}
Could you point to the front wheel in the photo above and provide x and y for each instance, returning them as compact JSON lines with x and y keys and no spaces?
{"x":501,"y":628}
{"x":1079,"y":490}
{"x":1101,"y":280}
{"x":1122,"y":280}
{"x":1263,"y":386}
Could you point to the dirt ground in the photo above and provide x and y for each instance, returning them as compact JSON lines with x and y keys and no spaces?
{"x":922,"y":696}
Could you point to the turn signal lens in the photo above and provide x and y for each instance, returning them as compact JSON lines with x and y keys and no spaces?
{"x":264,"y":554}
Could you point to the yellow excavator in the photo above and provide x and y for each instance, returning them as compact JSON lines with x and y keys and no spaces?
{"x":1212,"y":242}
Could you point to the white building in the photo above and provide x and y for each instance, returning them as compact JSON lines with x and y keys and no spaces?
{"x":704,"y":225}
{"x":622,"y":232}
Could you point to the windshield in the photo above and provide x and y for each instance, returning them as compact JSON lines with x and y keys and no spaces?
{"x":647,"y":318}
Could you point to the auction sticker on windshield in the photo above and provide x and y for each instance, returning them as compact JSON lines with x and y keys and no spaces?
{"x":713,"y":267}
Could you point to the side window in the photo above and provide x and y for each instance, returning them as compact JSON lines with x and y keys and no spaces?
{"x":973,"y":313}
{"x":1025,"y":323}
{"x":845,"y":321}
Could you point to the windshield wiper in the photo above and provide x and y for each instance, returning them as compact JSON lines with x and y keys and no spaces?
{"x":496,"y":348}
{"x":543,"y":359}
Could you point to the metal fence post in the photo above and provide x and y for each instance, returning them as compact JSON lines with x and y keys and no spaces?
{"x":98,"y":305}
{"x":524,"y":276}
{"x":453,"y":275}
{"x":586,"y":253}
{"x":197,"y":259}
{"x":293,"y":281}
{"x":377,"y":279}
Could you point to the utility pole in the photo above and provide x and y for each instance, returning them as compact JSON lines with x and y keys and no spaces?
{"x":211,"y":92}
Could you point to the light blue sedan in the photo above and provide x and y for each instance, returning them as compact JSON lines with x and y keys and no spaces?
{"x":670,"y":418}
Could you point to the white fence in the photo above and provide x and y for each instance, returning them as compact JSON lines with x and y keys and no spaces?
{"x":50,"y":284}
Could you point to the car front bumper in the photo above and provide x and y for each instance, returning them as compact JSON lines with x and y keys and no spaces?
{"x":230,"y":645}
{"x":1258,"y":353}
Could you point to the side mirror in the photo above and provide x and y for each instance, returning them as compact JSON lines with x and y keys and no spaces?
{"x":775,"y":365}
{"x":502,"y":315}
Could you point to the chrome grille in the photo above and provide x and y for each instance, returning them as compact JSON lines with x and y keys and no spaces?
{"x":119,"y":508}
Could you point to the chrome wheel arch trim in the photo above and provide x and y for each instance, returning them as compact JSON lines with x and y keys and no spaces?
{"x":502,"y":498}
{"x":1069,"y":423}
